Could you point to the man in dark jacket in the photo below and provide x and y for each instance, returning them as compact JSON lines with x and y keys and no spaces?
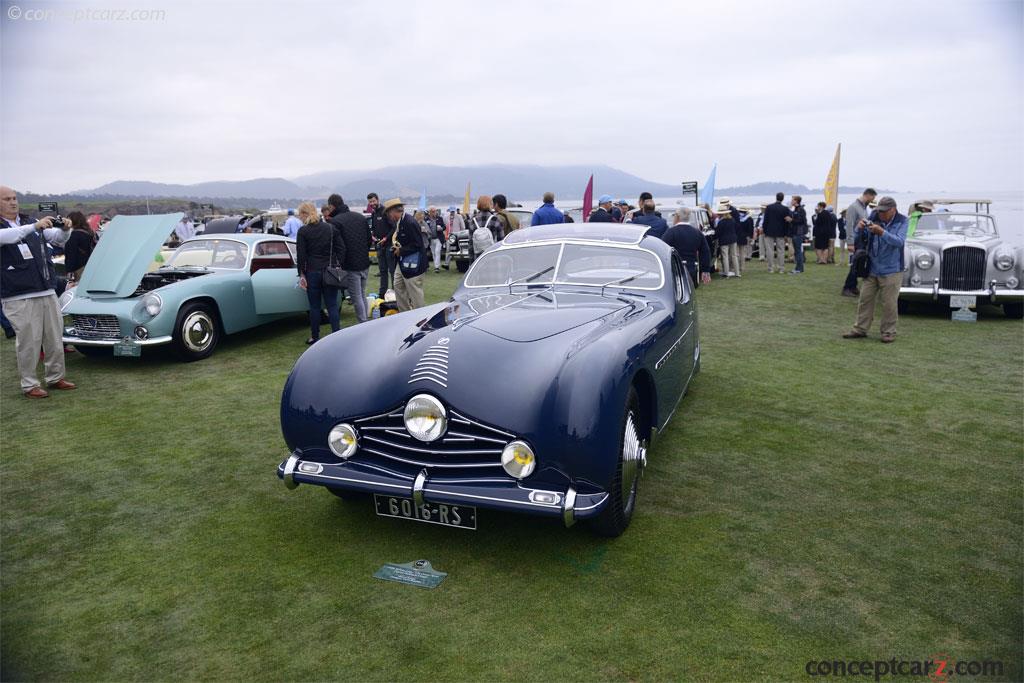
{"x":691,"y":245}
{"x":351,"y":249}
{"x":775,"y":226}
{"x":726,"y":234}
{"x":603,"y":213}
{"x":798,"y":231}
{"x":380,"y":231}
{"x":648,"y":216}
{"x":408,"y":290}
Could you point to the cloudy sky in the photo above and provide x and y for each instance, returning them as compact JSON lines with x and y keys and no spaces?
{"x":923,"y":95}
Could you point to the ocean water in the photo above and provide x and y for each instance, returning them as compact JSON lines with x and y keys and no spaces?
{"x":1007,"y":206}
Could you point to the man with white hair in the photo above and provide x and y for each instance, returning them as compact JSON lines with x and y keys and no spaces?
{"x":27,"y":281}
{"x":691,"y":245}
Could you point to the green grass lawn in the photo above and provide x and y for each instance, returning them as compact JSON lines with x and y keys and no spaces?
{"x":812,"y":498}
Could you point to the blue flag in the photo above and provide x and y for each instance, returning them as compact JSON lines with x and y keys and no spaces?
{"x":707,"y":193}
{"x":423,"y":200}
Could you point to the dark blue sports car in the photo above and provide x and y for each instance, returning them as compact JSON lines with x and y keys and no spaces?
{"x":534,"y":389}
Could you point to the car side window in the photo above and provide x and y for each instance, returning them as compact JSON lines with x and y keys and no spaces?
{"x":679,"y":279}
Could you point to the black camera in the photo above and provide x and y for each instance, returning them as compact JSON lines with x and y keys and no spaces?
{"x":51,"y":208}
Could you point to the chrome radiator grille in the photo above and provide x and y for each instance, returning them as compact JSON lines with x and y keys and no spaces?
{"x":466,"y":443}
{"x":963,"y":269}
{"x":96,"y":326}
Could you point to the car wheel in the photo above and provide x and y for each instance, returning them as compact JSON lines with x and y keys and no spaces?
{"x":346,"y":495}
{"x":94,"y":351}
{"x":463,"y":266}
{"x":1013,"y":310}
{"x":196,"y":333}
{"x":618,"y":511}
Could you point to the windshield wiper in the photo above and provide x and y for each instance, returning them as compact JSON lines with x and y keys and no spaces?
{"x":530,"y":278}
{"x":620,"y":281}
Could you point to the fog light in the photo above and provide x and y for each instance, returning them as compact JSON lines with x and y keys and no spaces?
{"x":915,"y":280}
{"x":141,"y":332}
{"x":1012,"y":282}
{"x":342,"y":440}
{"x":545,"y":497}
{"x":310,"y":467}
{"x":517,"y":459}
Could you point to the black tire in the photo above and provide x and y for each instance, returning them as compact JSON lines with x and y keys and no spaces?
{"x":346,"y":495}
{"x":1015,"y":311}
{"x":902,"y":306}
{"x":618,"y":511}
{"x":196,"y":332}
{"x":463,"y":266}
{"x":94,"y":351}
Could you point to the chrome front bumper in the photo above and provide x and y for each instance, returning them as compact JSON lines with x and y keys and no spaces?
{"x":933,"y":291}
{"x":78,"y":341}
{"x":510,"y":496}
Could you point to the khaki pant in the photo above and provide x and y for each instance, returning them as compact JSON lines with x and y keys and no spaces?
{"x":730,"y":258}
{"x":38,"y":324}
{"x":408,"y":293}
{"x":776,"y":248}
{"x":886,"y":288}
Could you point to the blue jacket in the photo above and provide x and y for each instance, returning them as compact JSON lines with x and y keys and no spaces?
{"x":657,"y":223}
{"x":886,"y":250}
{"x":547,"y":214}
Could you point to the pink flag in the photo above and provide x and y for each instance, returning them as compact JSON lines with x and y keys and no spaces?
{"x":588,"y":199}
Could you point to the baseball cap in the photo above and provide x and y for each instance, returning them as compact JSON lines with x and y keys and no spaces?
{"x":604,"y":199}
{"x":886,"y":203}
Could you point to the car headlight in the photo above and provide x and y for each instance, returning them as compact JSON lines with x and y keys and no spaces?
{"x":453,"y":240}
{"x":518,"y":460}
{"x":924,"y":260}
{"x":425,"y":417}
{"x":342,"y":440}
{"x":1004,"y":260}
{"x":152,"y":303}
{"x":66,"y":298}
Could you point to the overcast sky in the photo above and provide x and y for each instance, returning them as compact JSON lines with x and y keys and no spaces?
{"x":923,"y":95}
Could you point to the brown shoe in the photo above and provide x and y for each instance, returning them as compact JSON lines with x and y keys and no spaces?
{"x":888,"y":338}
{"x":62,"y":384}
{"x":853,"y":334}
{"x":849,"y":292}
{"x":36,"y":392}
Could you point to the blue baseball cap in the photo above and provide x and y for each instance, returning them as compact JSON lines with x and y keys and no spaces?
{"x":604,"y":199}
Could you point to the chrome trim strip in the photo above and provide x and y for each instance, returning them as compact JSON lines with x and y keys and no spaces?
{"x":672,"y":349}
{"x":569,"y":508}
{"x":494,"y":452}
{"x":152,"y":341}
{"x":289,"y":471}
{"x":417,"y":488}
{"x":428,"y":379}
{"x":482,"y":426}
{"x":420,"y":463}
{"x":591,"y":507}
{"x":472,"y":496}
{"x":360,"y":481}
{"x":428,"y":372}
{"x":469,"y":437}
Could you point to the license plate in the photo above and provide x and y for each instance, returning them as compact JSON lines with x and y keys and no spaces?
{"x":461,"y":516}
{"x":963,"y":301}
{"x":127,"y":349}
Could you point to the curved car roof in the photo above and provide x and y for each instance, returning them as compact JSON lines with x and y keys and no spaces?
{"x":620,"y":233}
{"x":247,"y":237}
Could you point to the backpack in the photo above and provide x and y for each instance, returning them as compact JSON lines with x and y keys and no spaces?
{"x":482,"y":237}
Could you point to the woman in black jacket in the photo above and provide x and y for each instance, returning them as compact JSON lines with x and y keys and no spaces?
{"x":313,"y":244}
{"x":79,"y":246}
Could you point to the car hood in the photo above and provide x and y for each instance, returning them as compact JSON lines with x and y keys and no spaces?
{"x":530,"y":316}
{"x":123,"y":254}
{"x":938,"y":240}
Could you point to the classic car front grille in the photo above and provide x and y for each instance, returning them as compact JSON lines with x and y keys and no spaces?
{"x":963,"y":269}
{"x":96,"y":326}
{"x":463,"y":246}
{"x":466,"y":443}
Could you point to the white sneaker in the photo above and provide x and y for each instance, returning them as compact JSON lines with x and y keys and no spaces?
{"x":730,"y":274}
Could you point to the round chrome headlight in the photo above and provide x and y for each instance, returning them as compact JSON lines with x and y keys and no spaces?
{"x":425,"y":417}
{"x":453,"y":239}
{"x":152,"y":303}
{"x":518,"y":460}
{"x":1004,"y":260}
{"x":342,"y":440}
{"x":924,"y":260}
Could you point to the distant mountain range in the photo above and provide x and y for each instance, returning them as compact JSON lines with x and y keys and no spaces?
{"x":442,"y":183}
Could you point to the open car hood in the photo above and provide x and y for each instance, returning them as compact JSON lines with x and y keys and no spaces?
{"x":533,"y":316}
{"x":123,"y":254}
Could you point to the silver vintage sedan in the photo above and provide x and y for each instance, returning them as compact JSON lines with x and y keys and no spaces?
{"x":957,"y":251}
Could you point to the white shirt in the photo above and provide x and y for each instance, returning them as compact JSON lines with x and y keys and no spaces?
{"x":15,"y":231}
{"x":291,"y":226}
{"x":184,"y":229}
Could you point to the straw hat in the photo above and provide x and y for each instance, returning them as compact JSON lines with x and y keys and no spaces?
{"x":392,"y":203}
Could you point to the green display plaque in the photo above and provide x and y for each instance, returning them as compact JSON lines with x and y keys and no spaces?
{"x":418,"y":573}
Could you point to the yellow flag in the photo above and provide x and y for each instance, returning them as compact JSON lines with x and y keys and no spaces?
{"x":465,"y":202}
{"x":832,"y":182}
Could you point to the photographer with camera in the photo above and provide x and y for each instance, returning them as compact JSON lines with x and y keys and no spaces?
{"x":27,"y":282}
{"x":878,"y":261}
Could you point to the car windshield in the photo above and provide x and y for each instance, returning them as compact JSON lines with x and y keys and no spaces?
{"x":570,"y":263}
{"x":209,"y":254}
{"x":972,"y":224}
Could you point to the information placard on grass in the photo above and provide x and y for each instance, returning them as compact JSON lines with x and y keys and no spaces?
{"x":418,"y":573}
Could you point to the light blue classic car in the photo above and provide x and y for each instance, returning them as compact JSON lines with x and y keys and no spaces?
{"x":208,"y":287}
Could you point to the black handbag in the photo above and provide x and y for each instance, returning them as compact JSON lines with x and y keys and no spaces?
{"x":862,"y":261}
{"x":334,"y":274}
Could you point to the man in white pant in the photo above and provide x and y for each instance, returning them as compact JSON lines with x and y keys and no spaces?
{"x":27,"y":281}
{"x":775,"y":227}
{"x":435,"y":231}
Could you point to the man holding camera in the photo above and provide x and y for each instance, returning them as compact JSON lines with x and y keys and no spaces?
{"x":27,"y":281}
{"x":881,"y":237}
